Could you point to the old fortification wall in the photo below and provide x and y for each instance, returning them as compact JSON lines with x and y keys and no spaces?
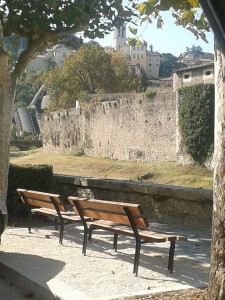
{"x":118,"y":126}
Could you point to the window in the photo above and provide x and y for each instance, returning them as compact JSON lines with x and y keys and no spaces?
{"x":187,"y":76}
{"x":208,"y":74}
{"x":123,"y":32}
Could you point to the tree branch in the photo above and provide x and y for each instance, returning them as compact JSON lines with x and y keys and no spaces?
{"x":3,"y":52}
{"x":34,"y":43}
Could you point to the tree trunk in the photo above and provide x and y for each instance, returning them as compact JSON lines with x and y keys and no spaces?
{"x":216,"y":289}
{"x":7,"y":89}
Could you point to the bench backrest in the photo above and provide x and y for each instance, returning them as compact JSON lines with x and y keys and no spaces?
{"x":110,"y":211}
{"x":40,"y":199}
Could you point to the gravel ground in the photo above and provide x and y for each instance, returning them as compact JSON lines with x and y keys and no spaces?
{"x":191,"y":294}
{"x":104,"y":274}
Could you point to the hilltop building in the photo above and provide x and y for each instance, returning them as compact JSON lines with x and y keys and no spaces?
{"x":195,"y":74}
{"x":140,"y":57}
{"x":191,"y":59}
{"x":56,"y":55}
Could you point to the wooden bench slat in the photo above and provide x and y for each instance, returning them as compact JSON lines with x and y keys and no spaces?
{"x":111,"y":211}
{"x":122,"y":218}
{"x":36,"y":199}
{"x":49,"y":205}
{"x":112,"y":206}
{"x":57,"y":200}
{"x":145,"y":235}
{"x":44,"y":211}
{"x":148,"y":234}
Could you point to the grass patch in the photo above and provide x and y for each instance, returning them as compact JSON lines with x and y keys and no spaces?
{"x":162,"y":172}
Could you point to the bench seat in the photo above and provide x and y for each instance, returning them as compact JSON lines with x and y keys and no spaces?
{"x":145,"y":234}
{"x":125,"y":219}
{"x":49,"y":205}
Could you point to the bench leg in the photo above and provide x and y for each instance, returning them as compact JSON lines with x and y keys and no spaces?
{"x":85,"y":241}
{"x":56,"y":224}
{"x":29,"y":220}
{"x":115,"y":241}
{"x":137,"y":257}
{"x":171,"y":256}
{"x":90,"y":235}
{"x":61,"y":232}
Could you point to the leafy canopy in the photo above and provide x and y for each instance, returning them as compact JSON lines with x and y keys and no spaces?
{"x":168,"y":64}
{"x":186,"y":14}
{"x":27,"y":87}
{"x":89,"y":71}
{"x":43,"y":21}
{"x":33,"y":18}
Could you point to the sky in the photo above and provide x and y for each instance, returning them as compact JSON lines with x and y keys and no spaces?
{"x":171,"y":39}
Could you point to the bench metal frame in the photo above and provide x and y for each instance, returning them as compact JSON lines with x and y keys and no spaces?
{"x":89,"y":227}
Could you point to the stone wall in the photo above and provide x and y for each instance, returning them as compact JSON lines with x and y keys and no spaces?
{"x":165,"y":203}
{"x":63,"y":131}
{"x":128,"y":127}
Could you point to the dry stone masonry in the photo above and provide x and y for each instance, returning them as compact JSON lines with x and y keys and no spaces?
{"x":129,"y":127}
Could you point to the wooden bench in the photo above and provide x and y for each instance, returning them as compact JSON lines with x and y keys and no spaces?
{"x":49,"y":205}
{"x":121,"y":218}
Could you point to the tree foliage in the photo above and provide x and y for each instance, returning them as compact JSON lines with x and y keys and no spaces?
{"x":186,"y":14}
{"x":89,"y":71}
{"x":43,"y":21}
{"x":196,"y":120}
{"x":168,"y":64}
{"x":27,"y":87}
{"x":195,"y":50}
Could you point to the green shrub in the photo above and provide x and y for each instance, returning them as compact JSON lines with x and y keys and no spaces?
{"x":150,"y":93}
{"x":26,"y":143}
{"x":32,"y":177}
{"x":196,"y":120}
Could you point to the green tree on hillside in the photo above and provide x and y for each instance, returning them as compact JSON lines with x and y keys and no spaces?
{"x":88,"y":71}
{"x":27,"y":87}
{"x":196,"y":50}
{"x":168,"y":64}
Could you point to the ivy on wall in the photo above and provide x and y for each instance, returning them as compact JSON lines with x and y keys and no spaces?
{"x":196,"y":120}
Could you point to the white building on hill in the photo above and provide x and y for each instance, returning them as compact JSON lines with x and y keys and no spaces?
{"x":56,"y":54}
{"x":138,"y":57}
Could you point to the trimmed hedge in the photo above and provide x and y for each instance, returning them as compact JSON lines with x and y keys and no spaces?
{"x":196,"y":120}
{"x":32,"y":177}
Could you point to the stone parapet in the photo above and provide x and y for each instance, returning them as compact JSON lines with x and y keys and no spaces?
{"x":166,"y":203}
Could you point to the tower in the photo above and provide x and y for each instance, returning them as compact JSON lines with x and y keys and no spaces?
{"x":120,"y":36}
